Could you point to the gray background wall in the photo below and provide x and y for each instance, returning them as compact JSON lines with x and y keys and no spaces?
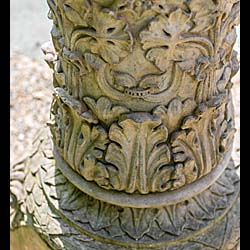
{"x":29,"y":26}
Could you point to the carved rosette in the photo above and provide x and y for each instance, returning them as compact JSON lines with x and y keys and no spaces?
{"x":142,"y":118}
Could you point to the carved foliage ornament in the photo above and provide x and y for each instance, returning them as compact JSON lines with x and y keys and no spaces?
{"x":142,"y":127}
{"x":49,"y":201}
{"x":142,"y":90}
{"x":141,"y":225}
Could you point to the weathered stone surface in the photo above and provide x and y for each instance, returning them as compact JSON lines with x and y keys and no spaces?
{"x":66,"y":217}
{"x":142,"y":129}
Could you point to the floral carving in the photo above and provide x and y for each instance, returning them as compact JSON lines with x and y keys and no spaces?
{"x":166,"y":42}
{"x":105,"y":36}
{"x":142,"y":218}
{"x":162,"y":38}
{"x":100,"y":215}
{"x":169,"y":43}
{"x":208,"y":12}
{"x":185,"y":172}
{"x":140,"y":154}
{"x":135,"y":13}
{"x":142,"y":107}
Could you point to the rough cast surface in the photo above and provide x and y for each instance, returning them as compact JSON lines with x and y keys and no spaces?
{"x":142,"y":129}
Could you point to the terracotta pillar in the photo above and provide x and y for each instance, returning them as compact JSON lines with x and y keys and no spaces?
{"x":142,"y":128}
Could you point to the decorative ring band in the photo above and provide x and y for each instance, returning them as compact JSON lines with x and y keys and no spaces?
{"x":141,"y":200}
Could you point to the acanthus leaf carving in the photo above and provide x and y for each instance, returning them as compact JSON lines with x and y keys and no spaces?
{"x":199,"y":145}
{"x":135,"y":14}
{"x":224,"y":81}
{"x":170,"y":43}
{"x":79,"y":140}
{"x":160,"y":224}
{"x":166,"y":7}
{"x":76,"y":59}
{"x":185,"y":172}
{"x":70,"y":199}
{"x":66,"y":101}
{"x":104,"y":110}
{"x":92,"y":170}
{"x":167,"y":31}
{"x":139,"y":152}
{"x":89,"y":151}
{"x":174,"y":113}
{"x":142,"y":107}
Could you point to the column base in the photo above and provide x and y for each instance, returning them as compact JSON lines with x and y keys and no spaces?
{"x":66,"y":218}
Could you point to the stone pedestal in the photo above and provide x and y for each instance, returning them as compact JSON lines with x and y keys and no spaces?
{"x":142,"y":128}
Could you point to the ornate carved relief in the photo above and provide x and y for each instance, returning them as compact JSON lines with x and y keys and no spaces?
{"x":200,"y":145}
{"x":121,"y":57}
{"x":143,"y":106}
{"x":139,"y":152}
{"x":50,"y":201}
{"x":133,"y":225}
{"x":142,"y":111}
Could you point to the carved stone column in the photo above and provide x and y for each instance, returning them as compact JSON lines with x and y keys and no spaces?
{"x":142,"y":127}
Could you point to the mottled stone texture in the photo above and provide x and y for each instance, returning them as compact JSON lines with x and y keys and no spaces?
{"x":142,"y":128}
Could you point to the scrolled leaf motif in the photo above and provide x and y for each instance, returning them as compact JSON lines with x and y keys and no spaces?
{"x":168,"y":42}
{"x":139,"y":152}
{"x":225,"y":8}
{"x":186,"y":154}
{"x":162,"y":37}
{"x":75,"y":59}
{"x":92,"y":170}
{"x":225,"y":128}
{"x":200,"y":144}
{"x":174,"y":113}
{"x":105,"y":36}
{"x":80,"y":142}
{"x":135,"y":13}
{"x":92,"y":141}
{"x":185,"y":172}
{"x":104,"y":110}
